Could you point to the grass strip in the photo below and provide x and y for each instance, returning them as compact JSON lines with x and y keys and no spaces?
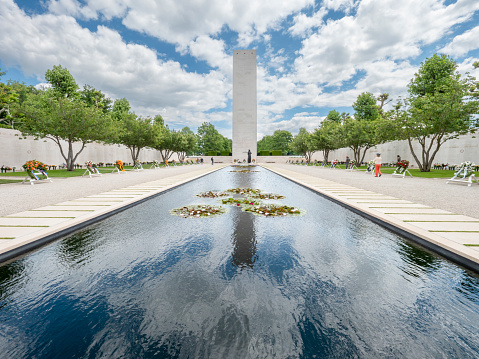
{"x":62,"y":210}
{"x":36,"y":217}
{"x":7,"y":181}
{"x":454,"y":231}
{"x":7,"y":237}
{"x":444,"y":221}
{"x":14,"y":225}
{"x":429,"y":214}
{"x":471,"y":245}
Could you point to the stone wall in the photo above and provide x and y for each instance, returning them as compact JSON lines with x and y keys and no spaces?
{"x":15,"y":150}
{"x":464,"y":148}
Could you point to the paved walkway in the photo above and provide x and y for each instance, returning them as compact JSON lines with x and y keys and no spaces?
{"x":446,"y":215}
{"x":398,"y":202}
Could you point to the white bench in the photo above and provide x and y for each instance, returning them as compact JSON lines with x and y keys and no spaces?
{"x":33,"y":177}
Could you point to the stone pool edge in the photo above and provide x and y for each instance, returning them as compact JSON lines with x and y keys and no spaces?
{"x":451,"y":250}
{"x":32,"y":241}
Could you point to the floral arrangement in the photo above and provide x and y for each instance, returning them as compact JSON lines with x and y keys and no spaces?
{"x":197,"y":211}
{"x":253,"y":160}
{"x":211,"y":194}
{"x":240,"y":201}
{"x":370,"y":166}
{"x":156,"y":163}
{"x":352,"y":163}
{"x":402,"y":166}
{"x":119,"y":165}
{"x":90,"y":165}
{"x":273,"y":210}
{"x":34,"y":165}
{"x":466,"y":168}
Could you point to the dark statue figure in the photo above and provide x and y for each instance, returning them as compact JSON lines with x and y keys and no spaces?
{"x":249,"y":156}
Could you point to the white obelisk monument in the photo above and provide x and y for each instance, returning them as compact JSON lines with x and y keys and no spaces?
{"x":244,"y":104}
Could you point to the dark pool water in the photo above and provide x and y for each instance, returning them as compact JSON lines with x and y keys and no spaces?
{"x":146,"y":284}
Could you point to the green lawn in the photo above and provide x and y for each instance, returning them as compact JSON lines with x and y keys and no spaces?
{"x":75,"y":173}
{"x":415,"y":172}
{"x":5,"y":181}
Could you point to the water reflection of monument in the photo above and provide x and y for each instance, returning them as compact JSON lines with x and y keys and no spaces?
{"x":244,"y":240}
{"x":244,"y":237}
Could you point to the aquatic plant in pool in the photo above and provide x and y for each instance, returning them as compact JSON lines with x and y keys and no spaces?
{"x":327,"y":284}
{"x":197,"y":211}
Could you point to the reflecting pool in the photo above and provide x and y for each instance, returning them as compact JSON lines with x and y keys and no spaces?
{"x":326,"y":284}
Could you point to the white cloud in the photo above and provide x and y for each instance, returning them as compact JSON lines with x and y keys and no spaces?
{"x":103,"y":60}
{"x":380,"y":29}
{"x":303,"y":24}
{"x":213,"y":52}
{"x":180,"y":22}
{"x":463,"y":43}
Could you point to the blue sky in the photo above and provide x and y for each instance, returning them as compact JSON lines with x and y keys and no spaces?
{"x":174,"y":58}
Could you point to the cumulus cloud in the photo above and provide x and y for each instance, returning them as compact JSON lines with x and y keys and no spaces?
{"x":102,"y":59}
{"x":380,"y":29}
{"x":463,"y":43}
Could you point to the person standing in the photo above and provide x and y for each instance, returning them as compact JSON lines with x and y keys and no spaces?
{"x":398,"y":159}
{"x":377,"y":165}
{"x":212,"y":161}
{"x":347,"y":162}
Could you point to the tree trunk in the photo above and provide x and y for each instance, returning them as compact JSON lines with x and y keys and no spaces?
{"x":325,"y":156}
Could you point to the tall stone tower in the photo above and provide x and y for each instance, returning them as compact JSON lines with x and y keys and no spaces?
{"x":244,"y":104}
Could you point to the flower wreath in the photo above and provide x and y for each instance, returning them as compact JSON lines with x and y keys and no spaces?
{"x":467,"y":168}
{"x":119,"y":165}
{"x":402,"y":166}
{"x":32,"y":165}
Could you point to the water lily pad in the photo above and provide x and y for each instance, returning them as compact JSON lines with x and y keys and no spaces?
{"x":211,"y":194}
{"x":273,"y":210}
{"x":241,"y":201}
{"x":198,"y":211}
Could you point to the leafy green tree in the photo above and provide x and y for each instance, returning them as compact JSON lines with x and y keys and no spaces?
{"x":441,"y":106}
{"x":303,"y":143}
{"x":135,"y":133}
{"x":8,"y":96}
{"x":164,"y":139}
{"x":209,"y":139}
{"x":365,"y":107}
{"x":327,"y":137}
{"x":362,"y":132}
{"x":280,"y":140}
{"x":94,"y":97}
{"x":57,"y":119}
{"x":183,"y":142}
{"x":62,"y":82}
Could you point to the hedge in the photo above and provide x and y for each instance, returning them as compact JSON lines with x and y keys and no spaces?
{"x":277,"y":153}
{"x":264,"y":153}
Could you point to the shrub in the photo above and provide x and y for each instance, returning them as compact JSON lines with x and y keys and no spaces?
{"x":213,"y":153}
{"x":225,"y":153}
{"x":264,"y":153}
{"x":277,"y":153}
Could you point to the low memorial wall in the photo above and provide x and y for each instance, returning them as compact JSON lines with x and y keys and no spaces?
{"x":15,"y":150}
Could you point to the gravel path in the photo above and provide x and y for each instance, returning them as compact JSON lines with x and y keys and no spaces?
{"x":454,"y":198}
{"x":18,"y":197}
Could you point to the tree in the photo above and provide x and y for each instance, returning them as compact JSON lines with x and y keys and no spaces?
{"x":164,"y":139}
{"x":441,"y":106}
{"x":365,"y":107}
{"x":361,"y":132}
{"x":59,"y":114}
{"x":303,"y":144}
{"x":135,"y":133}
{"x":94,"y":97}
{"x":8,"y":96}
{"x":57,"y":119}
{"x":279,"y":141}
{"x":326,"y":137}
{"x":209,"y":139}
{"x":183,"y":142}
{"x":62,"y":82}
